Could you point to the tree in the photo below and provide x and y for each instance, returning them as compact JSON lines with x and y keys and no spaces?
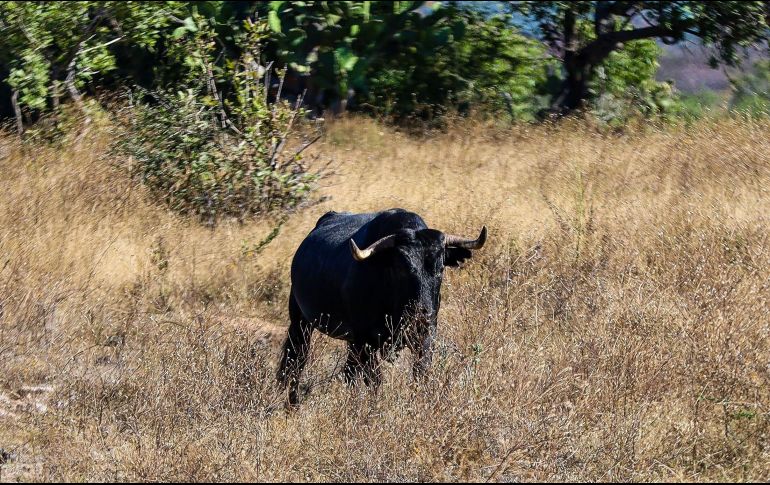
{"x":52,"y":49}
{"x":336,"y":47}
{"x":486,"y":64}
{"x":213,"y":153}
{"x":403,"y":59}
{"x":727,"y":26}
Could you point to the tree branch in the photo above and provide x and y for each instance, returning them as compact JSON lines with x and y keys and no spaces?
{"x":595,"y":51}
{"x":605,"y":10}
{"x":101,"y":45}
{"x":637,"y":34}
{"x":69,"y":81}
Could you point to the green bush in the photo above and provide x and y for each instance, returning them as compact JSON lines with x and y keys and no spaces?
{"x":701,"y":104}
{"x":751,"y":92}
{"x":625,"y":87}
{"x":206,"y":154}
{"x":506,"y":72}
{"x":56,"y":50}
{"x":486,"y":65}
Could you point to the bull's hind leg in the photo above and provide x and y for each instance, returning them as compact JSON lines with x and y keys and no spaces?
{"x":295,"y":351}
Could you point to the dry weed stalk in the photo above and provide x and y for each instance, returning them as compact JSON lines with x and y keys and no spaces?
{"x":629,"y":344}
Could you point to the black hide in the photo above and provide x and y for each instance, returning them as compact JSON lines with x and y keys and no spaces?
{"x":378,"y":305}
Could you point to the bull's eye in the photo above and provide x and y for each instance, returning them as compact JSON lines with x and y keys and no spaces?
{"x":408,"y":262}
{"x":435,"y":263}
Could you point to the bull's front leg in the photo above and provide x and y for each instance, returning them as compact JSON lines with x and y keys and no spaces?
{"x":423,"y":352}
{"x":363,"y":361}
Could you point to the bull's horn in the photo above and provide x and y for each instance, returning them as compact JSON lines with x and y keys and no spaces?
{"x":379,"y":245}
{"x":461,"y":242}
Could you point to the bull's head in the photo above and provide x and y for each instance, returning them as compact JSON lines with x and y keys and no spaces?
{"x":450,"y":243}
{"x":417,"y":258}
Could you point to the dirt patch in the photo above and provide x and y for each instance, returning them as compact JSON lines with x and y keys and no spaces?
{"x":26,"y":399}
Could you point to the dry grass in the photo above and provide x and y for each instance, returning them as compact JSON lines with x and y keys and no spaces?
{"x":615,"y":327}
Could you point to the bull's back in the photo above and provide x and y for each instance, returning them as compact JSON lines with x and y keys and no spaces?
{"x":321,"y":264}
{"x":322,"y":273}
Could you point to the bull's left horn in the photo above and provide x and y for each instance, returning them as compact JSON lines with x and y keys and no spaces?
{"x":380,"y":244}
{"x":461,"y":242}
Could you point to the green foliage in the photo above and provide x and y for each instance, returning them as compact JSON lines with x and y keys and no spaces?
{"x":634,"y":65}
{"x":624,"y":86}
{"x":700,"y":105}
{"x":751,"y":92}
{"x":401,"y":60}
{"x":52,"y":46}
{"x":213,"y":156}
{"x":506,"y":72}
{"x":29,"y":76}
{"x":351,"y":48}
{"x":726,"y":25}
{"x":485,"y":65}
{"x":328,"y":40}
{"x":408,"y":59}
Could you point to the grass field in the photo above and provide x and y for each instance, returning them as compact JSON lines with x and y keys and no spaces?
{"x":616,"y":326}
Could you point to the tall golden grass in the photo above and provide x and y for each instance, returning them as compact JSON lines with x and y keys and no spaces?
{"x":615,"y":327}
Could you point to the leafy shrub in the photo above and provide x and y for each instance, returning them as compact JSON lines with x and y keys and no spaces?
{"x":751,"y":92}
{"x":213,"y":155}
{"x":54,"y":50}
{"x":505,"y":72}
{"x":625,"y":86}
{"x":701,"y":104}
{"x":485,"y":65}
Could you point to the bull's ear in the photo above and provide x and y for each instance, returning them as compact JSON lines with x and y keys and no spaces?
{"x":455,"y":256}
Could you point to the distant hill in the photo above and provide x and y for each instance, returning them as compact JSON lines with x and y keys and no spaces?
{"x":687,"y":65}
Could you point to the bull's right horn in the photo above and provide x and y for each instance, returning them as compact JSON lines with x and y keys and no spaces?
{"x":361,"y":254}
{"x":461,"y":242}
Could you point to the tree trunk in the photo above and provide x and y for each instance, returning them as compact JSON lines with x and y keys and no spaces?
{"x":580,"y":67}
{"x":574,"y":88}
{"x":17,"y":112}
{"x":55,"y":94}
{"x":69,"y":82}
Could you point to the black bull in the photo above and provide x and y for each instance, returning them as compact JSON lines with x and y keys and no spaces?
{"x":379,"y":299}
